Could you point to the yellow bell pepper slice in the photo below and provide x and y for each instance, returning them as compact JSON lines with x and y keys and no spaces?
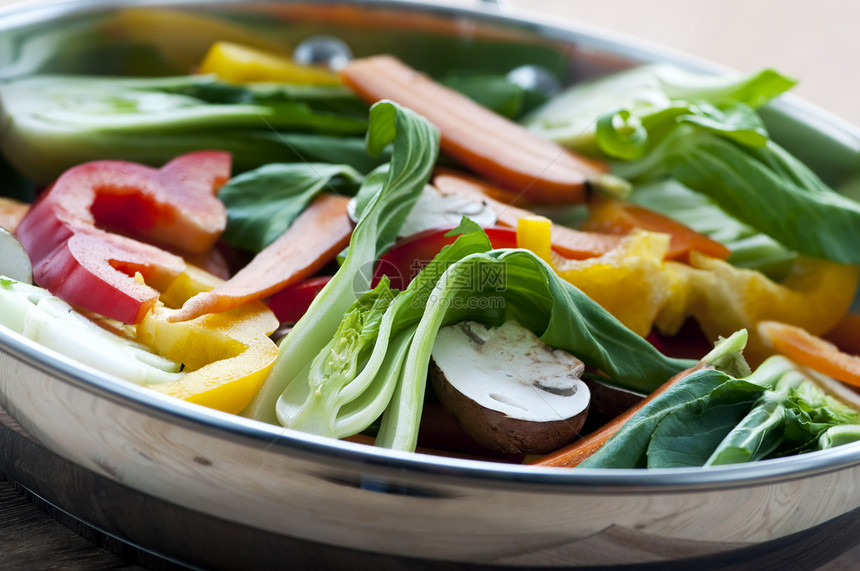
{"x":237,"y":63}
{"x":182,"y":37}
{"x":636,"y":285}
{"x":723,"y":298}
{"x":629,"y":281}
{"x":226,"y":355}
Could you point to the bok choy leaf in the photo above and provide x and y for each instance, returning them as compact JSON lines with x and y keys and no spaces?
{"x":36,"y":314}
{"x":398,"y":185}
{"x":646,"y":93}
{"x":55,"y":122}
{"x":263,"y":203}
{"x":467,"y":280}
{"x":750,"y":249}
{"x":768,"y":189}
{"x":712,"y":418}
{"x":724,"y":152}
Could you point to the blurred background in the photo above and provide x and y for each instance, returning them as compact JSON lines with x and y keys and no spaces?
{"x":817,"y":43}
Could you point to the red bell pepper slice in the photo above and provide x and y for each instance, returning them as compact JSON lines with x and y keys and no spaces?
{"x":293,"y":301}
{"x":94,"y":268}
{"x":408,"y":256}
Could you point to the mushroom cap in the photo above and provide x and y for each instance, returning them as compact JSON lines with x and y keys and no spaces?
{"x":508,"y":390}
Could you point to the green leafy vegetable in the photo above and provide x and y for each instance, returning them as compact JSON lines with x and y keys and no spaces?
{"x":711,"y":418}
{"x":263,"y":203}
{"x":381,"y":383}
{"x":791,"y":418}
{"x":689,"y":435}
{"x":750,"y":248}
{"x":647,"y":94}
{"x":337,"y":365}
{"x":495,"y":92}
{"x":399,"y":184}
{"x":773,"y":192}
{"x":839,"y":435}
{"x":714,"y":142}
{"x":692,"y":400}
{"x":55,"y":122}
{"x":466,"y":280}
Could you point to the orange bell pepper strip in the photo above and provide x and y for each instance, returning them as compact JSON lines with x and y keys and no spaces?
{"x":612,"y":216}
{"x":811,"y":351}
{"x":576,"y":452}
{"x":226,"y":356}
{"x":314,"y":239}
{"x":236,"y":63}
{"x":568,"y":242}
{"x":501,"y":150}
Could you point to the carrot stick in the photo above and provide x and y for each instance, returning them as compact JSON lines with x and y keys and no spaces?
{"x":499,"y":149}
{"x":574,"y":453}
{"x":313,"y":240}
{"x":811,"y":351}
{"x":614,"y":216}
{"x":570,"y":243}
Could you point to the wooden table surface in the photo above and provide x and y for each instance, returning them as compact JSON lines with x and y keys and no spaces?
{"x":815,"y":42}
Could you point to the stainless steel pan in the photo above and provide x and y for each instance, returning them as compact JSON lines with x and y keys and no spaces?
{"x":268,"y":495}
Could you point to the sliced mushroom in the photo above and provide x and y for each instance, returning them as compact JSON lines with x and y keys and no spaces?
{"x":436,"y":210}
{"x":507,"y":389}
{"x":14,"y":261}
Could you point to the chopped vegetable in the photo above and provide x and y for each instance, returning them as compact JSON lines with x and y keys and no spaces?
{"x":722,"y":298}
{"x":647,"y":93}
{"x":313,"y":240}
{"x":225,"y":356}
{"x":50,"y":321}
{"x":442,"y":210}
{"x":566,"y":241}
{"x":612,"y":216}
{"x":293,"y":301}
{"x":487,"y":143}
{"x":517,"y":286}
{"x":708,"y":136}
{"x":711,"y":417}
{"x":263,"y":203}
{"x":14,"y":261}
{"x":811,"y":351}
{"x":790,"y":418}
{"x":410,"y":255}
{"x":394,"y":189}
{"x":727,"y":155}
{"x":846,"y":333}
{"x":95,"y":269}
{"x":630,"y":281}
{"x":237,"y":63}
{"x":749,"y":248}
{"x":726,"y":356}
{"x":765,"y":186}
{"x":53,"y":123}
{"x":509,"y":391}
